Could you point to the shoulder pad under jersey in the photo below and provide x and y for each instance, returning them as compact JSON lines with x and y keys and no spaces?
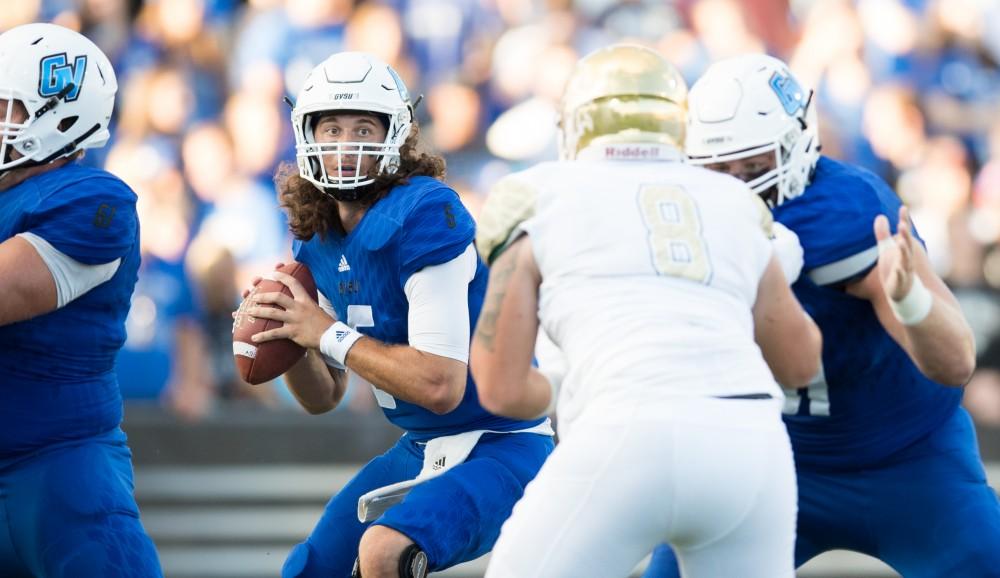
{"x":511,"y":202}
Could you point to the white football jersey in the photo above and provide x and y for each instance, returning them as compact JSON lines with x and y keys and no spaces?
{"x":649,"y":275}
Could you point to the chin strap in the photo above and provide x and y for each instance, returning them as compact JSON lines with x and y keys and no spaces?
{"x":348,"y":195}
{"x":69,"y":149}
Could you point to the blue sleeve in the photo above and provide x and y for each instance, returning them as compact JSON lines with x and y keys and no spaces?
{"x":835,"y":221}
{"x":437,"y":230}
{"x":92,"y":220}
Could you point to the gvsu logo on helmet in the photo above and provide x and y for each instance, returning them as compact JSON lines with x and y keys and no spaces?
{"x":57,"y":73}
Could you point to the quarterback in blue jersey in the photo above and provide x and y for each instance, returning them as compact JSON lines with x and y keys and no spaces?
{"x":886,"y":459}
{"x":400,"y":284}
{"x":68,"y":262}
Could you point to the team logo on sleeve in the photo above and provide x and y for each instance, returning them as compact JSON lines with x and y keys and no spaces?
{"x":791,"y":95}
{"x":57,"y":73}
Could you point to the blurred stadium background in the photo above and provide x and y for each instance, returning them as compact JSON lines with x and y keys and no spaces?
{"x":230,"y":476}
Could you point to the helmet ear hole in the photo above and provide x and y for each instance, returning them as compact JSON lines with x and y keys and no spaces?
{"x":67,"y":123}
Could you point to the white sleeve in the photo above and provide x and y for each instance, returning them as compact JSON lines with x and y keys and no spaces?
{"x":326,"y":305}
{"x":438,"y":316}
{"x":72,"y":277}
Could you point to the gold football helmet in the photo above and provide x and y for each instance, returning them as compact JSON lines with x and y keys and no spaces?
{"x":624,"y":93}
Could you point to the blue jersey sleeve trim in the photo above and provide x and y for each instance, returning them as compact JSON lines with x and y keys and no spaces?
{"x":845,"y":268}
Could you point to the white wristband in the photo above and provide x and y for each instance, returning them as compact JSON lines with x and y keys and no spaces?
{"x":915,"y":306}
{"x":336,"y":342}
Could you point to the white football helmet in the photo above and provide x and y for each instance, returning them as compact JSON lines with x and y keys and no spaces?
{"x":748,"y":105}
{"x":350,"y":81}
{"x":66,"y":85}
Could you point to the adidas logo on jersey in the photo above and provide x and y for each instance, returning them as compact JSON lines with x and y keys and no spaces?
{"x":439,"y":463}
{"x":343,"y":266}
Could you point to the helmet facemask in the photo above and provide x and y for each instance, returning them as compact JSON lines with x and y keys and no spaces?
{"x":12,"y":133}
{"x":348,"y":157}
{"x":785,"y":178}
{"x":350,"y":83}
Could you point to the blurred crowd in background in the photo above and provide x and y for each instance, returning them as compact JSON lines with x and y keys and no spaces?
{"x":907,"y":88}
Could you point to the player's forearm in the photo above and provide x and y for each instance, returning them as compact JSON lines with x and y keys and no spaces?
{"x":317,"y":388}
{"x":431,"y":381}
{"x":942,"y":345}
{"x":524,"y":395}
{"x":922,"y":315}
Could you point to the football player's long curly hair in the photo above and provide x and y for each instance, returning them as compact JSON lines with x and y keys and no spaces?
{"x":311,"y":211}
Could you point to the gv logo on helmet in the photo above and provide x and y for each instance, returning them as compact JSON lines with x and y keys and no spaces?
{"x":791,"y":95}
{"x":57,"y":73}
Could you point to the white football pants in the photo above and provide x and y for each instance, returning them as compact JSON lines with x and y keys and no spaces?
{"x":712,"y":477}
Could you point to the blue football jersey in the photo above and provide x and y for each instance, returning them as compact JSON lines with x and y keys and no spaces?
{"x":57,"y":377}
{"x":416,"y":225}
{"x":870,"y":399}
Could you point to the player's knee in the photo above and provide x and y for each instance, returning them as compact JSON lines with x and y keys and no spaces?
{"x":296,"y":562}
{"x":387,"y":553}
{"x":304,"y":562}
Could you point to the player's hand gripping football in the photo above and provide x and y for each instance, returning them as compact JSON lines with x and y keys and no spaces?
{"x":895,"y":260}
{"x":304,"y":322}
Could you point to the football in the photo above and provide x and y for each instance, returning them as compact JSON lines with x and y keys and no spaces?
{"x":258,"y":363}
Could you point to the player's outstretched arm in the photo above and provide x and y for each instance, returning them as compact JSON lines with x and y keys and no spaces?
{"x":916,"y":307}
{"x":504,"y":341}
{"x":788,"y":338}
{"x":28,"y":286}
